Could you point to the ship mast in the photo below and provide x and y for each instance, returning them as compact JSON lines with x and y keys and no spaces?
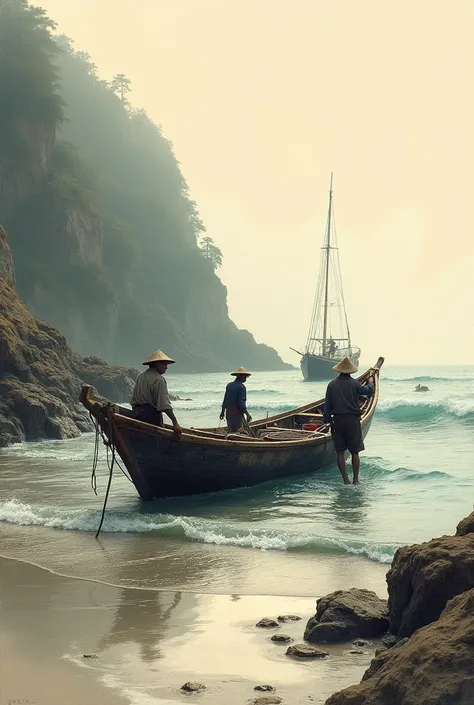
{"x":328,"y":252}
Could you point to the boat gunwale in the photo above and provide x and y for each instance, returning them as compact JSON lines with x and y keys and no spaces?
{"x":189,"y":438}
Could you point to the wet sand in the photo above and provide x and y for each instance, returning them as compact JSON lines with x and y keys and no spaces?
{"x":149,"y":642}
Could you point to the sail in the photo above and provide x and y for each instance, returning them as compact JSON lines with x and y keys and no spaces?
{"x":329,"y":334}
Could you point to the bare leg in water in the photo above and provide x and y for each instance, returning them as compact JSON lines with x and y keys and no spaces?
{"x":341,"y":464}
{"x":355,"y":468}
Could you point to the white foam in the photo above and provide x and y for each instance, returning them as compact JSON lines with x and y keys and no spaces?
{"x":201,"y":530}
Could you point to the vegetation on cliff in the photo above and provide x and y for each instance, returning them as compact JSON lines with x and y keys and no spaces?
{"x":107,"y":241}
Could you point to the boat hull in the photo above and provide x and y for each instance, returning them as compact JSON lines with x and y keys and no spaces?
{"x":171,"y":469}
{"x":163,"y":464}
{"x":316,"y":367}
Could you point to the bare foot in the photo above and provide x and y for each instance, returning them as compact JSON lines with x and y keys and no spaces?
{"x":346,"y":480}
{"x":356,"y":482}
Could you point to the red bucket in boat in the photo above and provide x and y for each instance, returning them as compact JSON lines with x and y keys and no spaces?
{"x":310,"y":426}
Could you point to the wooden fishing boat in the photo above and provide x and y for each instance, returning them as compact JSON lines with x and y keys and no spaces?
{"x":329,"y":338}
{"x":162,"y":464}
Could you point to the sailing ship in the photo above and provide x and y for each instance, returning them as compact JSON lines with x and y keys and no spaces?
{"x":162,"y":464}
{"x":329,"y":338}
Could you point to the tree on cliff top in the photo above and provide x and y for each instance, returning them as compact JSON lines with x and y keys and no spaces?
{"x":120,"y":85}
{"x":211,"y":251}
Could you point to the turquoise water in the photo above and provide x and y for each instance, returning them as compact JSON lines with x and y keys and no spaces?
{"x":416,"y":473}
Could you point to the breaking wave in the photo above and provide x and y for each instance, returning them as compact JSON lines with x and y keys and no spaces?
{"x":194,"y":529}
{"x":407,"y":410}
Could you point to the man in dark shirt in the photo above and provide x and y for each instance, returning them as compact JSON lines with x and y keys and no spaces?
{"x":342,"y":410}
{"x":234,"y":405}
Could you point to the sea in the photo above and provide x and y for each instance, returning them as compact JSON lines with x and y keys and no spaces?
{"x":417,"y":482}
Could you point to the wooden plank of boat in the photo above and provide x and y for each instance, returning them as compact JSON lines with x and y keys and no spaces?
{"x":163,"y":464}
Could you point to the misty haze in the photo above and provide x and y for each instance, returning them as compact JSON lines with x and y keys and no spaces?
{"x":236,"y":352}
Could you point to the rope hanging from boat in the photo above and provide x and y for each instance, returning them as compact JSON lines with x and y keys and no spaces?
{"x":111,"y":468}
{"x":108,"y":441}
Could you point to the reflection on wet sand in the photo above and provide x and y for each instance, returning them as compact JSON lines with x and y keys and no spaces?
{"x":143,"y":621}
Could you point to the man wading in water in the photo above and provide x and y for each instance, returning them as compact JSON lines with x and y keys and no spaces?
{"x":150,"y":398}
{"x":342,"y":411}
{"x":234,"y":405}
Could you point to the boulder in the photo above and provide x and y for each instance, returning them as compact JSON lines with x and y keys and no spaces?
{"x":347,"y":614}
{"x":434,"y":667}
{"x":423,"y":577}
{"x":466,"y":526}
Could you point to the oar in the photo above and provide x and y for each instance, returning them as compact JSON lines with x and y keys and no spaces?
{"x":246,"y":425}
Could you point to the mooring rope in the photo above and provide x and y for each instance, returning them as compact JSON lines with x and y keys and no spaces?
{"x":111,"y":455}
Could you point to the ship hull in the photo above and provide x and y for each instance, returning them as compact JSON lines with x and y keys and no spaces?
{"x":317,"y":367}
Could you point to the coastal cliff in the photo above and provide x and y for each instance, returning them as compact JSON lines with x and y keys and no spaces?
{"x":431,"y":615}
{"x":107,"y":242}
{"x":40,"y":376}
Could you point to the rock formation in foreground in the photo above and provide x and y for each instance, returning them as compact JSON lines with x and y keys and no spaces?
{"x":347,"y":614}
{"x":425,"y":576}
{"x":40,"y":377}
{"x":431,"y":612}
{"x":434,"y":667}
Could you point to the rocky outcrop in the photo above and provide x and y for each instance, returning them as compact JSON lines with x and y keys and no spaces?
{"x":434,"y":667}
{"x":425,"y":576}
{"x":7,"y":270}
{"x":347,"y":614}
{"x":430,"y":654}
{"x":40,"y":377}
{"x":466,"y":526}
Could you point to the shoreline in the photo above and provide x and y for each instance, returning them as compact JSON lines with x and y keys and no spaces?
{"x":149,"y":643}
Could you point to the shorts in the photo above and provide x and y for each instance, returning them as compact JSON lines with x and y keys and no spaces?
{"x":347,"y":434}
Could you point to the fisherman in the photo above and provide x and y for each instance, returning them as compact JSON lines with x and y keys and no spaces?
{"x":234,"y":405}
{"x":342,"y":411}
{"x":332,"y":347}
{"x":150,"y":398}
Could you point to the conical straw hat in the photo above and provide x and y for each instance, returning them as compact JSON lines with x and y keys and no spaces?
{"x":158,"y":356}
{"x":345,"y":366}
{"x":240,"y":371}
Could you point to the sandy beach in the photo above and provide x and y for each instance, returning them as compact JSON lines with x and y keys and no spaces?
{"x":146,"y":644}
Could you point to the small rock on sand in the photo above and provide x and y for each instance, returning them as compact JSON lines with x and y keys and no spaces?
{"x":356,"y":651}
{"x":282,"y":638}
{"x":305,"y":651}
{"x":90,"y":656}
{"x":265,"y":688}
{"x":288,"y":618}
{"x":193,"y":687}
{"x":267,"y":623}
{"x":267,"y":700}
{"x":361,"y":642}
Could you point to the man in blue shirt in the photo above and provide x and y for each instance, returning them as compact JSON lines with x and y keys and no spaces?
{"x":234,"y":405}
{"x":342,"y":410}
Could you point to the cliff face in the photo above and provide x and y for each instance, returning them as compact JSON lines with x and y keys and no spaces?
{"x":20,"y":176}
{"x":105,"y":236}
{"x":40,"y":377}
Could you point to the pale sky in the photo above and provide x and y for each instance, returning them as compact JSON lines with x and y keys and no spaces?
{"x":262,"y":99}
